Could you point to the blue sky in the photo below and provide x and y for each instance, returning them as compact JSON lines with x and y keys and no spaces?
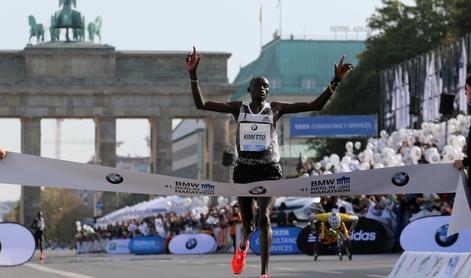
{"x":211,"y":25}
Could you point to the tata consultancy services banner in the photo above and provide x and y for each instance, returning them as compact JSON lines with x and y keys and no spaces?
{"x":334,"y":126}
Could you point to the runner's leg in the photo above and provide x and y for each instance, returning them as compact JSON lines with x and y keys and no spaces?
{"x":265,"y":206}
{"x":246,"y":205}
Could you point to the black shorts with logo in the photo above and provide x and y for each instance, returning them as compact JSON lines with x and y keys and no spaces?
{"x":245,"y":173}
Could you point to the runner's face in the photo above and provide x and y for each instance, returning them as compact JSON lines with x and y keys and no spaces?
{"x":259,"y":89}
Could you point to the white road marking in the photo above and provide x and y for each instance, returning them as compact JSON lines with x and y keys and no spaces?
{"x":286,"y":268}
{"x":58,"y":272}
{"x":328,"y":271}
{"x":377,"y":275}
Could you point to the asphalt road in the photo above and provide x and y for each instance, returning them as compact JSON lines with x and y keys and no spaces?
{"x":66,"y":264}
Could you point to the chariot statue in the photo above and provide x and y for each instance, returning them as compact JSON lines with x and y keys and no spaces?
{"x":67,"y":18}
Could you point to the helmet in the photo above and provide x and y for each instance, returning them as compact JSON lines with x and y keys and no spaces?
{"x":334,"y":220}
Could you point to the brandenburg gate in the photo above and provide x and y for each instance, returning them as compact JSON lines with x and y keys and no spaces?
{"x":80,"y":79}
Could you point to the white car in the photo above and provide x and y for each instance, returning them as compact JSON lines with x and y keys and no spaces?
{"x":301,"y":207}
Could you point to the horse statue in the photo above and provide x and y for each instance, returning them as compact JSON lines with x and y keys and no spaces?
{"x":79,"y":33}
{"x":94,"y":28}
{"x":36,"y":30}
{"x":53,"y":31}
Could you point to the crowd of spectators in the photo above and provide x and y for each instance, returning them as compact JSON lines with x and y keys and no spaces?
{"x":219,"y":222}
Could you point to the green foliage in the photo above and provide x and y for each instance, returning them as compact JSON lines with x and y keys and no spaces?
{"x":61,"y":208}
{"x":400,"y":33}
{"x":460,"y":18}
{"x":130,"y":199}
{"x":14,"y":215}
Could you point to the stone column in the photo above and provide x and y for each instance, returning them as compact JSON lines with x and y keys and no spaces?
{"x":30,"y":144}
{"x":105,"y":154}
{"x":217,"y":141}
{"x":161,"y":145}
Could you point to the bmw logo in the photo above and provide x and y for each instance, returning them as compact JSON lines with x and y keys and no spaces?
{"x":400,"y":179}
{"x":191,"y":243}
{"x":114,"y":178}
{"x":441,"y":238}
{"x":258,"y":190}
{"x":254,"y":127}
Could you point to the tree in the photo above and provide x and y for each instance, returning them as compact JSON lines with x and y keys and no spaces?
{"x":400,"y":33}
{"x":61,"y":208}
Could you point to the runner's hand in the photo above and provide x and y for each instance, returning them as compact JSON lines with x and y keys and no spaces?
{"x":3,"y":153}
{"x":341,"y":69}
{"x":192,"y":60}
{"x":458,"y":164}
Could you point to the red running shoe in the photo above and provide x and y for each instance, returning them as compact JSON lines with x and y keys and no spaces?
{"x":265,"y":276}
{"x":238,"y":261}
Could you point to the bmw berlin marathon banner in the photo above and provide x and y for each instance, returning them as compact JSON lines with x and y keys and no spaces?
{"x":32,"y":170}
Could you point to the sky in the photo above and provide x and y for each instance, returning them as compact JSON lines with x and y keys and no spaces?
{"x":231,"y":26}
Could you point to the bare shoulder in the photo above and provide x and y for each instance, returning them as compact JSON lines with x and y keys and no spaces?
{"x":277,"y":106}
{"x":234,"y":106}
{"x":235,"y":103}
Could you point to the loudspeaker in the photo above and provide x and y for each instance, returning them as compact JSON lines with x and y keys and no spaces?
{"x":446,"y":104}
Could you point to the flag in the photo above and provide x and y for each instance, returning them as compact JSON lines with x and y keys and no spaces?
{"x":462,"y":105}
{"x":427,"y":91}
{"x":260,"y":13}
{"x":406,"y":115}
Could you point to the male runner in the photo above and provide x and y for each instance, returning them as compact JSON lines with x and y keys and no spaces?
{"x":39,"y":227}
{"x":257,"y":147}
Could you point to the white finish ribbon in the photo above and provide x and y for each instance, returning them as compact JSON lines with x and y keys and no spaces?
{"x":424,"y":178}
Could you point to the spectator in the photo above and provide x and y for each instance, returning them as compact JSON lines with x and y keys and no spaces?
{"x":3,"y":153}
{"x":234,"y":220}
{"x":282,"y":216}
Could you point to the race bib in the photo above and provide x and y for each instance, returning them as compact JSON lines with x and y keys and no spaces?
{"x":254,"y":137}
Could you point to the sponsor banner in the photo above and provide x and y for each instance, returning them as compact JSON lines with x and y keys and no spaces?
{"x":334,"y":126}
{"x":192,"y":244}
{"x":283,"y":241}
{"x":429,"y":234}
{"x":17,"y":244}
{"x":430,"y":264}
{"x":146,"y":245}
{"x":32,"y":170}
{"x":118,"y":246}
{"x":370,"y":236}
